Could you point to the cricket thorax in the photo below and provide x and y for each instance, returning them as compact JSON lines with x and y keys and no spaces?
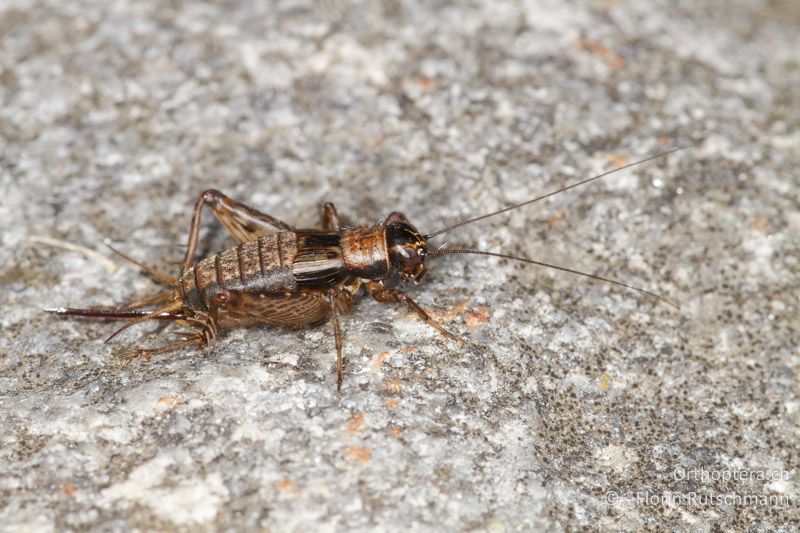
{"x":364,"y":251}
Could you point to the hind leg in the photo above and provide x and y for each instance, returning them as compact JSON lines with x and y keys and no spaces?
{"x":243,"y":222}
{"x":147,"y":353}
{"x":203,"y":332}
{"x":149,"y":300}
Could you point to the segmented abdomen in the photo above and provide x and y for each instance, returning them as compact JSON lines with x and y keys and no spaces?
{"x":261,"y":266}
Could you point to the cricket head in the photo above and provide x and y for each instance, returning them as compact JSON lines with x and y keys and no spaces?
{"x":407,"y":248}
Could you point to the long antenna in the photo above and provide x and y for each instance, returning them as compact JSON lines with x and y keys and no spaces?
{"x":556,"y":267}
{"x":548,"y":195}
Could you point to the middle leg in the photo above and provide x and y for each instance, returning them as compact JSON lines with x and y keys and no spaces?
{"x":333,"y":297}
{"x":330,"y":217}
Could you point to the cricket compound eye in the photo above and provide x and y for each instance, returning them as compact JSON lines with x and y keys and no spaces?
{"x":407,"y":250}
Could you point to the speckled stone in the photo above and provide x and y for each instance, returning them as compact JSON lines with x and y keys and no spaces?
{"x":570,"y":401}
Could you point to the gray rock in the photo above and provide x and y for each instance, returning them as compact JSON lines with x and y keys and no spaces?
{"x":575,"y":404}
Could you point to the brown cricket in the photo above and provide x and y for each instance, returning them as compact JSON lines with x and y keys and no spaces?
{"x":294,"y":276}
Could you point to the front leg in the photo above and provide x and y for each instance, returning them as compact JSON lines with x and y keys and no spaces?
{"x":396,"y":216}
{"x":382,"y":294}
{"x":243,"y":222}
